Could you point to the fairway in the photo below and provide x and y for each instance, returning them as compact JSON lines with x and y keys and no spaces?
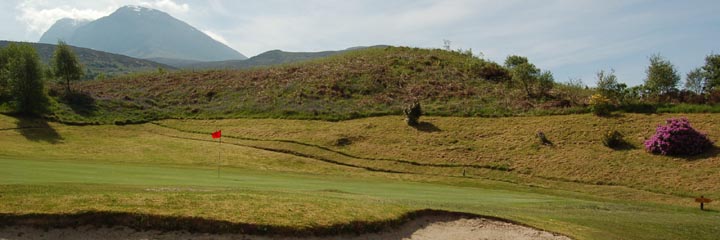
{"x":152,"y":169}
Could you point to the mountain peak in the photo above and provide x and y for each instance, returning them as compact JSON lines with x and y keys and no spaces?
{"x":143,"y":32}
{"x":135,"y":8}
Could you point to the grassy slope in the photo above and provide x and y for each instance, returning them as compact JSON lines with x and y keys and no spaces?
{"x":368,"y":82}
{"x":147,"y":169}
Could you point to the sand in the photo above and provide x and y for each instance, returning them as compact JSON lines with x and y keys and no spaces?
{"x":421,"y":228}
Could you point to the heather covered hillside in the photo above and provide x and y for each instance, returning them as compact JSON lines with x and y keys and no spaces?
{"x":376,"y":81}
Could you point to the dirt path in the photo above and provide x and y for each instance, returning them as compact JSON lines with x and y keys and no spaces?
{"x":421,"y":228}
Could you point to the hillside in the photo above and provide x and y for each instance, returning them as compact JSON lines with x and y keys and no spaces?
{"x":143,"y":33}
{"x":269,"y":58}
{"x":369,"y":82}
{"x":97,"y":62}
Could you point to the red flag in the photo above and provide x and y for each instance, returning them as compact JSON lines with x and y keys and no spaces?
{"x":217,"y":134}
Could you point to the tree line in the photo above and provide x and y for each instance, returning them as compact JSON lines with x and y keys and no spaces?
{"x":662,"y":82}
{"x":23,"y":76}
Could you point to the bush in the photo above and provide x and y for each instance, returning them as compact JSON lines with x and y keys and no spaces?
{"x":543,"y":139}
{"x":412,"y":114}
{"x":613,"y":139}
{"x":600,"y":105}
{"x":677,"y":138}
{"x":494,"y":72}
{"x":713,"y":97}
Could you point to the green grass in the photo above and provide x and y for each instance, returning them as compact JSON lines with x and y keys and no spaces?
{"x":150,"y":169}
{"x":304,"y":200}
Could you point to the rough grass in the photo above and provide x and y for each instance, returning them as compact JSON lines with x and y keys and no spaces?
{"x":577,"y":153}
{"x":154,"y":169}
{"x":362,"y":83}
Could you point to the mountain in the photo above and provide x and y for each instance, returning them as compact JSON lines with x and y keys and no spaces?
{"x":269,"y":58}
{"x":62,"y":30}
{"x":97,"y":62}
{"x":144,"y":33}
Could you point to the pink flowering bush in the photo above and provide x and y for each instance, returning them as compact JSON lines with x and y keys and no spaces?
{"x":677,"y":138}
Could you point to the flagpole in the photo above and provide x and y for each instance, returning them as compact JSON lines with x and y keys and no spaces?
{"x":219,"y":150}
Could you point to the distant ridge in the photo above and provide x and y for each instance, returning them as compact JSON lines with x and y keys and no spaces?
{"x":269,"y":58}
{"x":97,"y":62}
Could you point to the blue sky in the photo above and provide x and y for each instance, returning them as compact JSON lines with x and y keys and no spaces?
{"x":572,"y":38}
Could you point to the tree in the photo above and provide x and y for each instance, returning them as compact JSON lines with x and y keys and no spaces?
{"x":66,"y":65}
{"x":545,"y":82}
{"x":535,"y":82}
{"x":662,"y":77}
{"x":4,"y":84}
{"x":696,"y":81}
{"x":21,"y":70}
{"x":513,"y":61}
{"x":712,"y":72}
{"x":446,"y":44}
{"x":608,"y":85}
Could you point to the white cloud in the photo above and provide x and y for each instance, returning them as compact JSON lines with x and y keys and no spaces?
{"x":166,"y":5}
{"x":39,"y":15}
{"x":38,"y":20}
{"x":216,"y":36}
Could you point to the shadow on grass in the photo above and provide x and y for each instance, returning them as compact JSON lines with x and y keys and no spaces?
{"x":426,"y":127}
{"x":613,"y":115}
{"x":624,"y":146}
{"x":711,"y":153}
{"x":81,"y":103}
{"x":37,"y":130}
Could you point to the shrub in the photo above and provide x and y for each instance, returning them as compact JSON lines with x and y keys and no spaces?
{"x":492,"y":71}
{"x":677,"y":138}
{"x":600,"y":105}
{"x":608,"y":85}
{"x":613,"y":139}
{"x":412,"y":114}
{"x":543,"y":139}
{"x":713,"y":97}
{"x":574,"y":91}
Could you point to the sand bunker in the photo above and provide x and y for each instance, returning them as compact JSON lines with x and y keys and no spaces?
{"x":421,"y":228}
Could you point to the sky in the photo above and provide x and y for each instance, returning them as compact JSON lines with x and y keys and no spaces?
{"x":572,"y":38}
